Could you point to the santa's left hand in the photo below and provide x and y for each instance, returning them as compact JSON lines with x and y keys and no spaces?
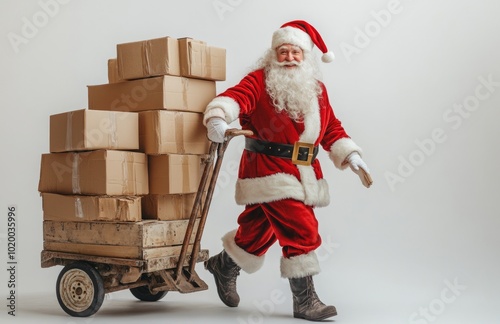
{"x":359,"y":167}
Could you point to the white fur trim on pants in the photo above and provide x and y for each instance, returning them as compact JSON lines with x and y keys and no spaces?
{"x":246,"y":261}
{"x":340,"y":149}
{"x":280,"y":186}
{"x":300,"y":266}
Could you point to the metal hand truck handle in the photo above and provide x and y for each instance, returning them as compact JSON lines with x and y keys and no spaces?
{"x":216,"y":153}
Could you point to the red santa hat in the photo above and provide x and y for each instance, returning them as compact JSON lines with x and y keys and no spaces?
{"x":302,"y":34}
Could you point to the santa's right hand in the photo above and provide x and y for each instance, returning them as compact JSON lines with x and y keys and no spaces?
{"x":216,"y":129}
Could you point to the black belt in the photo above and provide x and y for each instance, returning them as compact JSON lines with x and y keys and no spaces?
{"x":300,"y":153}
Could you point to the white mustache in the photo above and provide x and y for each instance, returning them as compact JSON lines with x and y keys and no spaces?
{"x":286,"y":63}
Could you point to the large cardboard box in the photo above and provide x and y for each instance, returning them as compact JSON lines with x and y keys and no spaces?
{"x":91,"y":208}
{"x":83,"y":130}
{"x":199,"y":60}
{"x":144,"y":240}
{"x":174,"y":173}
{"x":159,"y":56}
{"x":167,"y":207}
{"x":158,"y":93}
{"x":162,"y":132}
{"x":113,"y":76}
{"x":101,"y":172}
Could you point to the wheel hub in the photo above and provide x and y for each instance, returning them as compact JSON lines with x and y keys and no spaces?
{"x":76,"y":289}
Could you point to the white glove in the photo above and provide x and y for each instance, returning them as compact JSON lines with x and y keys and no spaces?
{"x":359,"y":167}
{"x":216,"y":128}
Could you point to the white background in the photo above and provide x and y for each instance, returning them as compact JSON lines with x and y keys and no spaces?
{"x":390,"y":252}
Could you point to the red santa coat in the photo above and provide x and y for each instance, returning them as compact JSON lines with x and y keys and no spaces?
{"x":265,"y":178}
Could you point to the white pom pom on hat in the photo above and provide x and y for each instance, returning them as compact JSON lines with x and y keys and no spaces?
{"x":302,"y":34}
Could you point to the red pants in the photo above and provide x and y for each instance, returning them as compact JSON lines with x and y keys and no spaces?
{"x":290,"y":222}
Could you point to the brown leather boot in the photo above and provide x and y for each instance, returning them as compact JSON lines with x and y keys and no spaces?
{"x":225,"y":272}
{"x":306,"y":303}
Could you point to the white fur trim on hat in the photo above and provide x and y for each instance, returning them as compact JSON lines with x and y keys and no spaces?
{"x":247,"y":262}
{"x":300,"y":266}
{"x":340,"y":149}
{"x":291,"y":35}
{"x":327,"y":57}
{"x":230,"y":107}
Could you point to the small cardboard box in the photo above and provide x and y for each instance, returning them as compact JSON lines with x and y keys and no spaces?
{"x":175,"y":132}
{"x":167,"y":207}
{"x":101,"y":172}
{"x":91,"y":208}
{"x":83,"y":130}
{"x":159,"y":93}
{"x":159,"y":56}
{"x":113,"y":76}
{"x":174,"y":173}
{"x":198,"y":60}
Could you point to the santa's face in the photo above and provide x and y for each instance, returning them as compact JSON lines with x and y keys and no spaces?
{"x":289,"y":55}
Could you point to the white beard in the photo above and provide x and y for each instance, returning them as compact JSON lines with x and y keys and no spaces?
{"x":292,"y":90}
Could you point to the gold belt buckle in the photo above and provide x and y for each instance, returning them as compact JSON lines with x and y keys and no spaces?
{"x":295,"y":153}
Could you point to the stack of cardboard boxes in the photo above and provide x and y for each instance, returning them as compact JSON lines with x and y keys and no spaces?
{"x":121,"y":177}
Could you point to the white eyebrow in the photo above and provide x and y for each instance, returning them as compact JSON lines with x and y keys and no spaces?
{"x":285,"y":47}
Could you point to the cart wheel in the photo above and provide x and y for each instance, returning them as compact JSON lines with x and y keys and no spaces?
{"x":143,"y":293}
{"x":80,"y":289}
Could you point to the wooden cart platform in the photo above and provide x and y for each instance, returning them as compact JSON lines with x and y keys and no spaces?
{"x":119,"y":273}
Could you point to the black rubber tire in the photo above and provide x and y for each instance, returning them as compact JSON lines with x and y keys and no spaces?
{"x":143,"y":293}
{"x":80,"y":289}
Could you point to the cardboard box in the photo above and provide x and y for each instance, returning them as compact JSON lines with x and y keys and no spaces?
{"x":91,"y":208}
{"x":113,"y":76}
{"x":159,"y":56}
{"x":83,"y":130}
{"x":162,"y":132}
{"x":144,"y":239}
{"x":159,"y":93}
{"x":167,"y":207}
{"x":101,"y":172}
{"x":174,"y":173}
{"x":198,"y":60}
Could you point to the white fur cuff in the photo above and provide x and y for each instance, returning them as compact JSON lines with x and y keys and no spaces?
{"x":247,"y":262}
{"x":230,"y":108}
{"x":300,"y":266}
{"x":214,"y":112}
{"x":340,"y":149}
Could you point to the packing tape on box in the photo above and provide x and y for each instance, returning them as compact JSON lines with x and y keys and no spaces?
{"x":112,"y":130}
{"x":177,"y":205}
{"x":75,"y":174}
{"x":125,"y":171}
{"x":179,"y":131}
{"x":122,"y":209}
{"x":78,"y":208}
{"x":185,"y":174}
{"x":185,"y":87}
{"x":156,"y":128}
{"x":146,"y":52}
{"x":206,"y":67}
{"x":68,"y":145}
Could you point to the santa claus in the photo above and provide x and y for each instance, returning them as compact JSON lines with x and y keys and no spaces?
{"x":280,"y":181}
